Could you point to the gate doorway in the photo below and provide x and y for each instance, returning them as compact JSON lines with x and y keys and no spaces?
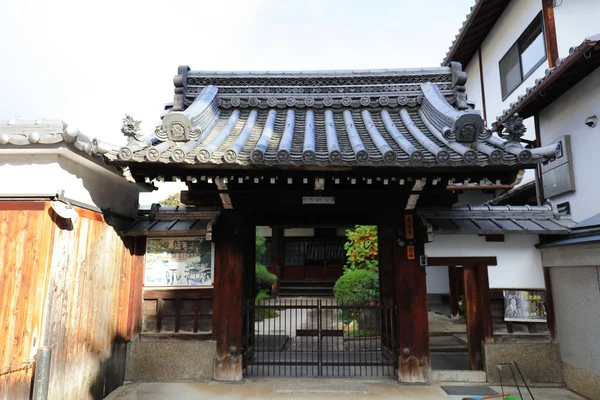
{"x":319,"y":338}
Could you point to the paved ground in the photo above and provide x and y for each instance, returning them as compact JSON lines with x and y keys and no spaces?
{"x":303,"y":389}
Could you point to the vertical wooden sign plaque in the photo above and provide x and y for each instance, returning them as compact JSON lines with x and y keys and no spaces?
{"x":409,"y":228}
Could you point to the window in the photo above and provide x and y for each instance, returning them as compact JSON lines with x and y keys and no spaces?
{"x":528,"y":53}
{"x":314,"y":252}
{"x":178,"y":262}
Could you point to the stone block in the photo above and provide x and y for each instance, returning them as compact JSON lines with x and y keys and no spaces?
{"x":170,"y":360}
{"x":539,"y":362}
{"x":582,"y":381}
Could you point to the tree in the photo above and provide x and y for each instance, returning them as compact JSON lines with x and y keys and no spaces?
{"x":172,"y":200}
{"x":362,"y":248}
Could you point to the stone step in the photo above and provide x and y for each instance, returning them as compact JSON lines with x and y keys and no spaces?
{"x":453,"y":376}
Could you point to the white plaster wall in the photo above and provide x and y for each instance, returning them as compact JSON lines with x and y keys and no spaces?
{"x":566,"y":115}
{"x":575,"y":20}
{"x":437,"y":280}
{"x":474,"y":197}
{"x":519,"y":262}
{"x":264,"y":231}
{"x":299,"y":232}
{"x":576,"y":293}
{"x":474,"y":82}
{"x":511,"y":24}
{"x":47,"y":174}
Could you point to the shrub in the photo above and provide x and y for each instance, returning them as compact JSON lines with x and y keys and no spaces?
{"x":264,"y":279}
{"x":263,"y":294}
{"x":362,"y":248}
{"x":359,"y":286}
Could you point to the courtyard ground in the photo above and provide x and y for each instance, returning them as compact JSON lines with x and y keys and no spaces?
{"x":304,"y":389}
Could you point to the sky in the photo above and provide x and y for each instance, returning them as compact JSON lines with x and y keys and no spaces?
{"x":89,"y":63}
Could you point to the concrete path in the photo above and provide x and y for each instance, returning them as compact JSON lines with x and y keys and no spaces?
{"x":302,"y":389}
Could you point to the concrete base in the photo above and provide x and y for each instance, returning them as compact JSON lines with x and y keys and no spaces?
{"x":228,"y":368}
{"x":170,"y":360}
{"x":582,"y":381}
{"x":539,"y":362}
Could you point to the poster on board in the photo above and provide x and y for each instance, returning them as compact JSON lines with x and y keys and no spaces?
{"x":524,"y":306}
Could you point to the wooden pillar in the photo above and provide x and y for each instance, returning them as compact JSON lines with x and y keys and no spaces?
{"x":410,"y":292}
{"x":474,"y":315}
{"x":278,"y":258}
{"x":454,"y":298}
{"x":233,"y":258}
{"x":486,"y":305}
{"x":551,"y":318}
{"x":134,"y":320}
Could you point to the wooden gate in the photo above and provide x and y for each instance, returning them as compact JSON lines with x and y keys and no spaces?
{"x":318,"y":337}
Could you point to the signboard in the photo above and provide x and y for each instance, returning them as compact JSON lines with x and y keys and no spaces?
{"x":409,"y":226}
{"x":318,"y":200}
{"x":178,"y":262}
{"x":525,"y":305}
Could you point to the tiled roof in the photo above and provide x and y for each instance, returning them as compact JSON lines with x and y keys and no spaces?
{"x":543,"y":220}
{"x":582,"y":60}
{"x":22,"y":132}
{"x":475,"y":28}
{"x":392,"y":118}
{"x":410,"y":117}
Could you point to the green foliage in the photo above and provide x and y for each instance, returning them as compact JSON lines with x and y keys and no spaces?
{"x":356,"y":333}
{"x":264,"y":313}
{"x":263,"y":294}
{"x":172,"y":200}
{"x":362,"y":248}
{"x":264,"y":279}
{"x":261,"y":248}
{"x":358,"y":286}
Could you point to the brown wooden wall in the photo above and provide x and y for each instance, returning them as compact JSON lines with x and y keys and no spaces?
{"x":25,"y":243}
{"x":74,"y":280}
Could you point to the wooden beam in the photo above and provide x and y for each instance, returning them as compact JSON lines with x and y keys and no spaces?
{"x":550,"y":32}
{"x":229,"y":237}
{"x":464,"y":261}
{"x":414,"y":365}
{"x":550,"y":316}
{"x":473,"y":311}
{"x":136,"y":283}
{"x":481,"y":80}
{"x":486,"y":305}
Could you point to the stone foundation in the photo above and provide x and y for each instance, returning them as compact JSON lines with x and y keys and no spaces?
{"x":170,"y":360}
{"x":539,"y":362}
{"x":582,"y":381}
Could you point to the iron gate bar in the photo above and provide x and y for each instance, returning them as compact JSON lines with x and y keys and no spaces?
{"x":369,"y":349}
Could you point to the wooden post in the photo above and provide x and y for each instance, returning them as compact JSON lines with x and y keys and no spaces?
{"x":549,"y":304}
{"x":486,"y":305}
{"x":278,"y":258}
{"x":410,"y":292}
{"x":474,"y":324}
{"x":453,"y":291}
{"x":231,"y":236}
{"x":134,"y":319}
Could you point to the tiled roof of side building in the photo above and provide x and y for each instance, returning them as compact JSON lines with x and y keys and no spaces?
{"x":477,"y":25}
{"x":411,"y":117}
{"x":486,"y":219}
{"x":581,"y":61}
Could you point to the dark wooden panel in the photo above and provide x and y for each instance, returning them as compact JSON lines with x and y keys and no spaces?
{"x":464,"y":261}
{"x":196,"y":293}
{"x":411,"y":302}
{"x":473,"y":311}
{"x":486,"y":304}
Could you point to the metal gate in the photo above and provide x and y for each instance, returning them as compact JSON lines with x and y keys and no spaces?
{"x":318,"y":337}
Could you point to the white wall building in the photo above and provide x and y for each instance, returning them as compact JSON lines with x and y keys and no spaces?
{"x":558,"y":93}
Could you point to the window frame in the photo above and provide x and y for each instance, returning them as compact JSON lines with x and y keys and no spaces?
{"x":212,"y":264}
{"x":539,"y":18}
